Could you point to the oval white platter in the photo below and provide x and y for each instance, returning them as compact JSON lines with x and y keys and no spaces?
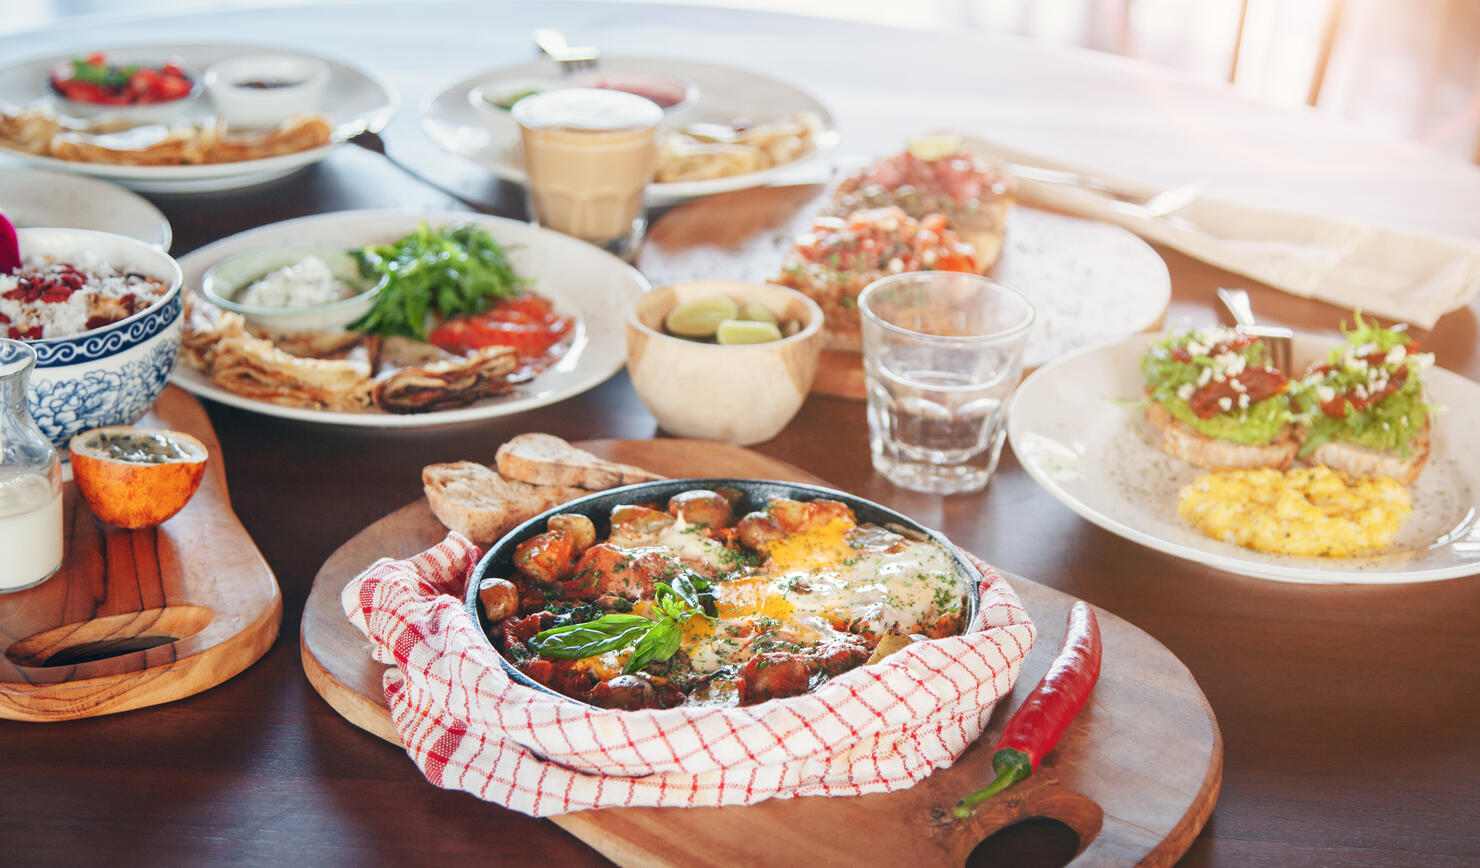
{"x":1075,"y":427}
{"x":587,"y":283}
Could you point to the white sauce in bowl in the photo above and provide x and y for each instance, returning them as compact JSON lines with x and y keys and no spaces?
{"x":306,"y":283}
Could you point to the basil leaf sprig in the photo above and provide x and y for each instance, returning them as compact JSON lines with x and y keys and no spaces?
{"x":610,"y":632}
{"x":111,"y":77}
{"x":693,"y":590}
{"x":449,"y":272}
{"x":652,"y":640}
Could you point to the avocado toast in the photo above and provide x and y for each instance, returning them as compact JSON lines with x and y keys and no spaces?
{"x":1218,"y":403}
{"x":1364,"y":407}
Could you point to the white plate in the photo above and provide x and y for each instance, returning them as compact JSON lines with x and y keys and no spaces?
{"x":725,"y":93}
{"x":1070,"y":426}
{"x":591,"y":285}
{"x":33,"y":197}
{"x":355,"y":102}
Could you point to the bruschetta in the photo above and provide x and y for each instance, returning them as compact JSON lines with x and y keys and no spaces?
{"x":1365,"y":408}
{"x":1218,"y":403}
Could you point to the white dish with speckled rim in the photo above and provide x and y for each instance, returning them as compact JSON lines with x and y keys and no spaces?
{"x":1074,"y":426}
{"x":38,"y":198}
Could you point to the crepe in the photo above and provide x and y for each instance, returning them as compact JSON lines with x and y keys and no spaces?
{"x":30,"y":130}
{"x":39,"y":131}
{"x":698,"y":154}
{"x":345,"y":371}
{"x":449,"y":383}
{"x":254,"y":368}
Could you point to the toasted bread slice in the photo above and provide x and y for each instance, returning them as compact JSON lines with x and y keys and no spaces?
{"x":1357,"y":461}
{"x":1211,"y":453}
{"x":544,"y":459}
{"x":481,"y":505}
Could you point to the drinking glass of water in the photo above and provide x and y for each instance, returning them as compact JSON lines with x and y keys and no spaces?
{"x":942,"y":352}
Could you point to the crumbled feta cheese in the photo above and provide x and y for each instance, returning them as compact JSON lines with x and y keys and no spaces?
{"x":1326,"y":394}
{"x":1225,"y":403}
{"x":306,"y":283}
{"x":1395,"y":355}
{"x":1237,"y":385}
{"x":1186,"y":392}
{"x":1243,"y":400}
{"x":1227,"y":365}
{"x":896,"y":265}
{"x":1204,"y":377}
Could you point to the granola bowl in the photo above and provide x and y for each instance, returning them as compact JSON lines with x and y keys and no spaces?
{"x":91,"y":372}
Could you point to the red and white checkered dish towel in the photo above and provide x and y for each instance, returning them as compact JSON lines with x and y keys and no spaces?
{"x":468,"y":726}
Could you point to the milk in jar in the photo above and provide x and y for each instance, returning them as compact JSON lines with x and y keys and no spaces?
{"x":30,"y":529}
{"x":30,"y":480}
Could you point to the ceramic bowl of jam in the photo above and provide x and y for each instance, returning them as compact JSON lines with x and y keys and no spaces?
{"x":263,"y":90}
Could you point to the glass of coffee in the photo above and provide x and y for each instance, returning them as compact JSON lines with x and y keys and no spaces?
{"x":588,"y":155}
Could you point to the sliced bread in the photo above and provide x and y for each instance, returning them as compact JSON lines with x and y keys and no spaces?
{"x":544,"y":459}
{"x":1358,"y":461}
{"x":1200,"y":450}
{"x":483,"y":506}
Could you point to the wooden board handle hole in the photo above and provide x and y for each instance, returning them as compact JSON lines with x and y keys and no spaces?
{"x":1037,"y":842}
{"x":109,"y":636}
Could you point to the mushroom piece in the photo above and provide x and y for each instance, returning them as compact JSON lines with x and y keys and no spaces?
{"x":500,"y":599}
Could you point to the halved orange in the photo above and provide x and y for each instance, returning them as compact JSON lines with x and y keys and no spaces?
{"x":136,"y":477}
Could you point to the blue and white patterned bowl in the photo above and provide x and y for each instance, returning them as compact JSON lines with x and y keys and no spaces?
{"x":110,"y":375}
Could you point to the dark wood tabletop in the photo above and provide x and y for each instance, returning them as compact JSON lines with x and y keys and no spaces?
{"x":1348,"y":712}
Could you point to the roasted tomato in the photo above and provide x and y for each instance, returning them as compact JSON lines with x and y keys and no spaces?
{"x":773,"y":675}
{"x":547,"y":558}
{"x":528,"y":323}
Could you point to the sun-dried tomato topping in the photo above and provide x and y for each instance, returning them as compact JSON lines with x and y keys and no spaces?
{"x":1258,"y":383}
{"x":1339,"y":406}
{"x":31,"y":334}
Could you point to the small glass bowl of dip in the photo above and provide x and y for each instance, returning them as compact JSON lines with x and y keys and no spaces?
{"x":283,"y":289}
{"x":263,"y":90}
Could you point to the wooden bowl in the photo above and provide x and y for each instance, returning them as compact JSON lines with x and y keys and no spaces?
{"x":739,"y":394}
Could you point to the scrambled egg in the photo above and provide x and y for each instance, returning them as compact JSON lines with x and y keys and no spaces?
{"x":1309,"y":511}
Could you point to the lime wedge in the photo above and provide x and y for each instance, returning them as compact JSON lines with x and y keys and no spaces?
{"x":935,"y":147}
{"x":744,"y":331}
{"x":700,"y":317}
{"x":756,"y":312}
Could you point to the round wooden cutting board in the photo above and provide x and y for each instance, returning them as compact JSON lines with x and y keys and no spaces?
{"x":1089,"y":282}
{"x":1135,"y":777}
{"x":140,"y":617}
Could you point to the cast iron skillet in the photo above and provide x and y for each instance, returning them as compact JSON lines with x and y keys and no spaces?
{"x":499,"y":561}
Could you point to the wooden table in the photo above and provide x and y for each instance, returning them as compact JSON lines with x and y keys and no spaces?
{"x":1348,"y":713}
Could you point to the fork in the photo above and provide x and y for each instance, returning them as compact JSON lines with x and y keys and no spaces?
{"x":571,"y":59}
{"x":1280,"y":341}
{"x":1123,"y":199}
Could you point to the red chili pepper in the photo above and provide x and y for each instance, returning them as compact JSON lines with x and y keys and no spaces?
{"x":1040,"y":722}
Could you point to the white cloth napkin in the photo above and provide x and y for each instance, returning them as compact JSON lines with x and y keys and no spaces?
{"x":1412,"y":276}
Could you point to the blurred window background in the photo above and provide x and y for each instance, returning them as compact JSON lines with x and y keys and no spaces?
{"x":1407,"y":67}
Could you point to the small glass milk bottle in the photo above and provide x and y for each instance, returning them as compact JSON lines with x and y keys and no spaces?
{"x":30,"y":481}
